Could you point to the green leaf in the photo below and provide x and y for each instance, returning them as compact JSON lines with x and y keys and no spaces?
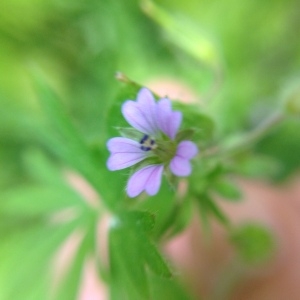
{"x":15,"y":253}
{"x":163,"y":288}
{"x":70,"y":285}
{"x":179,"y":217}
{"x":48,"y":194}
{"x":160,"y":206}
{"x":193,"y":119}
{"x":259,"y":166}
{"x":185,"y":34}
{"x":152,"y":257}
{"x":283,"y":146}
{"x":115,"y":119}
{"x":228,"y":190}
{"x":142,"y":223}
{"x":42,"y":169}
{"x":209,"y":207}
{"x":31,"y":201}
{"x":130,"y":252}
{"x":186,"y":134}
{"x":254,"y":243}
{"x":62,"y":138}
{"x":140,"y":220}
{"x":127,"y":265}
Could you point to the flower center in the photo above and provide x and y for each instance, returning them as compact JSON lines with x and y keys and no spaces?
{"x":147,"y":143}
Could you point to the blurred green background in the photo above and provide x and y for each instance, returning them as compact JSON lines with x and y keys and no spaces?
{"x":79,"y":45}
{"x":242,"y":58}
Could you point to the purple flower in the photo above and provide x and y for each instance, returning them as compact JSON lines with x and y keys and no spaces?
{"x":158,"y":125}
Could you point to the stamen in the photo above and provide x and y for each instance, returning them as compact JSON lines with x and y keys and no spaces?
{"x":147,"y":143}
{"x":145,"y":148}
{"x":144,"y":139}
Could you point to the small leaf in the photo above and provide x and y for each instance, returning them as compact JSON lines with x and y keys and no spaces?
{"x":140,"y":220}
{"x":130,"y":252}
{"x":165,"y":288}
{"x":259,"y":166}
{"x":209,"y":206}
{"x":185,"y":134}
{"x":160,"y":206}
{"x":114,"y":118}
{"x":127,"y":263}
{"x":194,"y":119}
{"x":253,"y":242}
{"x":228,"y":190}
{"x":179,"y":217}
{"x":153,"y":258}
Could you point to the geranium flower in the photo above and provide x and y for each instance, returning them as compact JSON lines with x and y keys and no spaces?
{"x":158,"y":125}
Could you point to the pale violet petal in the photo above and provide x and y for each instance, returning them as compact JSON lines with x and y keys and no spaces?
{"x":137,"y":117}
{"x":180,"y":166}
{"x":174,"y":123}
{"x":164,"y":110}
{"x":154,"y":181}
{"x":168,"y":121}
{"x":123,"y":145}
{"x":145,"y":97}
{"x":118,"y":161}
{"x":146,"y":102}
{"x":147,"y":178}
{"x":187,"y":149}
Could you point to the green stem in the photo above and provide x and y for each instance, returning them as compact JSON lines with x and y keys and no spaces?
{"x":248,"y":139}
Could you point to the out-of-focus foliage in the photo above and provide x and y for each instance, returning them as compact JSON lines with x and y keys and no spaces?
{"x":253,"y":243}
{"x":59,"y":103}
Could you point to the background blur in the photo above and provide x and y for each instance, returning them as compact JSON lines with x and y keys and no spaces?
{"x":241,"y":58}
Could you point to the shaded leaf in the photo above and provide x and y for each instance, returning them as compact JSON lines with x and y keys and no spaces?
{"x":115,"y":118}
{"x":208,"y":206}
{"x":163,"y":288}
{"x":254,"y":243}
{"x":153,"y":258}
{"x":127,"y":263}
{"x":71,"y":283}
{"x":228,"y":190}
{"x":193,"y":119}
{"x":68,"y":144}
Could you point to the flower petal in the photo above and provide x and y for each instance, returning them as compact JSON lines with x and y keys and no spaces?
{"x":180,"y":166}
{"x":148,"y":179}
{"x":168,"y":121}
{"x":174,"y":122}
{"x":154,"y":181}
{"x":164,"y":110}
{"x":187,"y":149}
{"x":118,"y":161}
{"x":141,"y":114}
{"x":123,"y":145}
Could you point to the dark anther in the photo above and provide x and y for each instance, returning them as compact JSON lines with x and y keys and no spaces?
{"x":147,"y":143}
{"x":144,"y":148}
{"x":144,"y":139}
